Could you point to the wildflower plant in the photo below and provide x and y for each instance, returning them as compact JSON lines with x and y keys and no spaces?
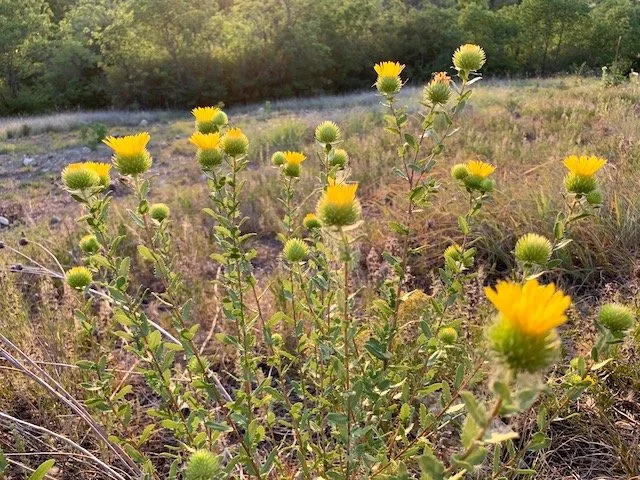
{"x":330,"y":383}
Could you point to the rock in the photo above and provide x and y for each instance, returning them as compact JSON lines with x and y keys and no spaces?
{"x":4,"y":222}
{"x":86,"y":150}
{"x":144,"y":122}
{"x":54,"y":220}
{"x":26,"y":161}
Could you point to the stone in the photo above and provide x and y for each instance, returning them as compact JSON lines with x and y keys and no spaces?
{"x":4,"y":221}
{"x":26,"y":161}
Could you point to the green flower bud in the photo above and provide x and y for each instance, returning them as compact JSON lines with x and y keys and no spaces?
{"x":277,"y":339}
{"x":278,"y":159}
{"x":437,"y":93}
{"x":616,"y":317}
{"x":338,"y":207}
{"x":89,"y":244}
{"x":209,"y":158}
{"x":459,"y":171}
{"x":220,"y":118}
{"x":469,"y":58}
{"x":533,"y":248}
{"x":327,"y":132}
{"x":202,"y":465}
{"x":486,"y":185}
{"x":135,"y":164}
{"x":448,"y":335}
{"x":580,"y":184}
{"x":295,"y":250}
{"x":79,"y":277}
{"x":474,"y":182}
{"x":235,"y":143}
{"x":159,"y":211}
{"x":594,"y":197}
{"x":339,"y":158}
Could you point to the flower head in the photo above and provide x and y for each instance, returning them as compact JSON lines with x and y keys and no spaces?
{"x":205,"y":141}
{"x":388,"y":69}
{"x":292,"y":161}
{"x":101,"y":169}
{"x":76,"y":176}
{"x":469,"y":58}
{"x":532,"y":308}
{"x":130,"y":153}
{"x":327,"y":132}
{"x":295,"y":250}
{"x":534,"y":249}
{"x":388,"y":81}
{"x":616,"y":317}
{"x":584,"y":166}
{"x":235,"y":143}
{"x":79,"y":277}
{"x":159,"y":211}
{"x":338,"y":206}
{"x":479,"y":168}
{"x":442,"y":77}
{"x":311,"y":221}
{"x":89,"y":244}
{"x":209,"y":119}
{"x":202,"y":465}
{"x":523,"y":334}
{"x":338,"y":158}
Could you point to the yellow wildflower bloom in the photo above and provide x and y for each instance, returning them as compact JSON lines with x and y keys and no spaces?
{"x":99,"y":168}
{"x":129,"y":145}
{"x":293,"y":158}
{"x":340,"y":194}
{"x":479,"y":168}
{"x":388,"y":69}
{"x":532,"y":308}
{"x":338,"y":205}
{"x":583,"y":165}
{"x":235,"y":143}
{"x":205,"y":141}
{"x":205,"y":114}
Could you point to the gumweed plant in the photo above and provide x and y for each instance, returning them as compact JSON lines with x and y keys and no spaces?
{"x":330,"y":385}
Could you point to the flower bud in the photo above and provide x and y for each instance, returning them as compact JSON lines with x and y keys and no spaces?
{"x":202,"y":465}
{"x":469,"y":58}
{"x":459,"y":171}
{"x":311,"y":221}
{"x":89,"y":244}
{"x":448,"y":335}
{"x":454,"y":253}
{"x":278,"y":159}
{"x":209,"y":119}
{"x":159,"y":211}
{"x":389,"y":81}
{"x":616,"y":317}
{"x":339,"y":158}
{"x":235,"y":143}
{"x":594,"y":197}
{"x":437,"y":93}
{"x":327,"y":132}
{"x":533,"y":249}
{"x":292,"y":161}
{"x":79,"y":277}
{"x":208,"y":155}
{"x":295,"y":250}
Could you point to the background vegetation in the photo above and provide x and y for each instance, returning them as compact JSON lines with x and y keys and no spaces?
{"x":63,"y":54}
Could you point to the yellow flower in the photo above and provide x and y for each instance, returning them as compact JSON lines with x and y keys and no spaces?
{"x":235,"y":143}
{"x":338,"y":206}
{"x":293,"y":158}
{"x":340,"y":194}
{"x":531,"y":308}
{"x":205,"y":141}
{"x":205,"y":114}
{"x":100,"y":169}
{"x":583,"y":165}
{"x":130,"y":145}
{"x":388,"y":69}
{"x":479,"y":168}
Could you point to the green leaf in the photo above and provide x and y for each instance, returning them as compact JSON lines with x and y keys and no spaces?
{"x":146,"y":253}
{"x":477,"y":411}
{"x":42,"y":470}
{"x":430,"y":466}
{"x":464,"y":225}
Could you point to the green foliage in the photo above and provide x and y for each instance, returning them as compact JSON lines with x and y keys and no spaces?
{"x":177,"y":53}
